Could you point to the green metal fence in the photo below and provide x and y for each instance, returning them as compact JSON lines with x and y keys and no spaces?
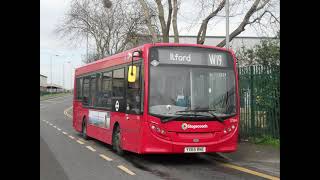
{"x":259,"y":88}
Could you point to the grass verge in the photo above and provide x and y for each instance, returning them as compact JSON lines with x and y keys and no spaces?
{"x":50,"y":96}
{"x":266,"y":140}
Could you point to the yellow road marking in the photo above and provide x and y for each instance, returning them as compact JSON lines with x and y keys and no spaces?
{"x":249,"y":171}
{"x":65,"y":112}
{"x":105,"y":157}
{"x":126,"y":170}
{"x":65,"y":133}
{"x":80,"y":142}
{"x":82,"y":139}
{"x":59,"y":129}
{"x":91,"y":148}
{"x":71,"y":137}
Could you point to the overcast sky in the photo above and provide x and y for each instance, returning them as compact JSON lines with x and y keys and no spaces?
{"x":52,"y":13}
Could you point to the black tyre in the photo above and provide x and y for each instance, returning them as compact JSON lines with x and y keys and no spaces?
{"x":84,"y":129}
{"x":116,"y":141}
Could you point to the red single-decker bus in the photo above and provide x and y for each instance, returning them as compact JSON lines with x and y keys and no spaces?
{"x":160,"y":98}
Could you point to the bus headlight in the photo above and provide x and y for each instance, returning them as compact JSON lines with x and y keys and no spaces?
{"x":158,"y":131}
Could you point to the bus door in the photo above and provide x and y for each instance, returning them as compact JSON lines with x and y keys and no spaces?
{"x":133,"y":116}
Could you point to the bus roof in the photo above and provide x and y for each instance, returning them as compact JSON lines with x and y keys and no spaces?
{"x":118,"y":59}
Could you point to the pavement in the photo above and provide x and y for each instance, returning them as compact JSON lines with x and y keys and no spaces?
{"x":262,"y":158}
{"x":65,"y":155}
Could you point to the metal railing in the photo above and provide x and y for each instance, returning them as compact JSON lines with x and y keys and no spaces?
{"x":259,"y":88}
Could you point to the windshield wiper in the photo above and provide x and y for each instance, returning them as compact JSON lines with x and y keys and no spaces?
{"x":171,"y":118}
{"x":210,"y":111}
{"x":181,"y":115}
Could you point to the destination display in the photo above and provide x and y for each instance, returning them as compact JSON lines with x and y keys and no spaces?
{"x":190,"y":56}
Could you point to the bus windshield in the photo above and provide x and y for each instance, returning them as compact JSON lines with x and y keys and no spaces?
{"x":180,"y":87}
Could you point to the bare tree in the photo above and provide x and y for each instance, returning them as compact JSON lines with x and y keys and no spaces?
{"x":92,"y":56}
{"x":112,"y":29}
{"x":107,"y":3}
{"x":147,"y":15}
{"x":256,"y":6}
{"x":174,"y":21}
{"x":203,"y":28}
{"x":165,"y":24}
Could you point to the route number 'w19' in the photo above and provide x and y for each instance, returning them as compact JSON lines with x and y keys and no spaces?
{"x":215,"y":59}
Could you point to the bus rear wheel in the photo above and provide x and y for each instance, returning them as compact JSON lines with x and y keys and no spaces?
{"x":84,"y":129}
{"x":116,"y":141}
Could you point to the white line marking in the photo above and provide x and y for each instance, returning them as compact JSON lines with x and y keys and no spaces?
{"x":126,"y":170}
{"x":50,"y":124}
{"x":81,"y":139}
{"x":91,"y":148}
{"x":105,"y":157}
{"x":65,"y":133}
{"x":55,"y":126}
{"x":80,"y":142}
{"x":71,"y":137}
{"x":59,"y":129}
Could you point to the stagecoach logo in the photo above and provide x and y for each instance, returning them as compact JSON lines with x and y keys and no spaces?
{"x":117,"y":105}
{"x":185,"y":126}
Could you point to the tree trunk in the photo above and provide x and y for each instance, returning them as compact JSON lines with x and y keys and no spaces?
{"x":169,"y":18}
{"x":164,"y":28}
{"x":148,"y":20}
{"x":174,"y":21}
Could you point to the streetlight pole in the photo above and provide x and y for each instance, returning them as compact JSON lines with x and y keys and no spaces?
{"x":69,"y":62}
{"x":227,"y":24}
{"x":63,"y":76}
{"x":51,"y":70}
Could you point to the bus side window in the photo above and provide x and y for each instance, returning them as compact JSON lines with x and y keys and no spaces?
{"x":92,"y":90}
{"x":118,"y":89}
{"x":85,"y":91}
{"x":79,"y":88}
{"x":134,"y":94}
{"x":104,"y":94}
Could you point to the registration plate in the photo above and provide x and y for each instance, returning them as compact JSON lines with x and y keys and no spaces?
{"x":194,"y":149}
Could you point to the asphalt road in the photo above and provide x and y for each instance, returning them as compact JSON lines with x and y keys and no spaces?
{"x":63,"y":156}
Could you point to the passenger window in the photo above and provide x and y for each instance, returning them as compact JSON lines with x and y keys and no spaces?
{"x":86,"y":91}
{"x":79,"y":88}
{"x":92,"y":90}
{"x":118,"y":83}
{"x":104,"y":95}
{"x":118,"y":90}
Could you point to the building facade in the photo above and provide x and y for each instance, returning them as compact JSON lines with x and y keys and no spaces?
{"x":235,"y":44}
{"x":43,"y":82}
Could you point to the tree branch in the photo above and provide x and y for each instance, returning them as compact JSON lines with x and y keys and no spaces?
{"x":254,"y":8}
{"x":203,"y":28}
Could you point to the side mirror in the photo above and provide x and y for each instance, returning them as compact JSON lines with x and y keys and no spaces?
{"x":132,"y":74}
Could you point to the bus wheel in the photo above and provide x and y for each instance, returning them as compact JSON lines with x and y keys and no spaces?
{"x":116,"y":141}
{"x":84,"y":129}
